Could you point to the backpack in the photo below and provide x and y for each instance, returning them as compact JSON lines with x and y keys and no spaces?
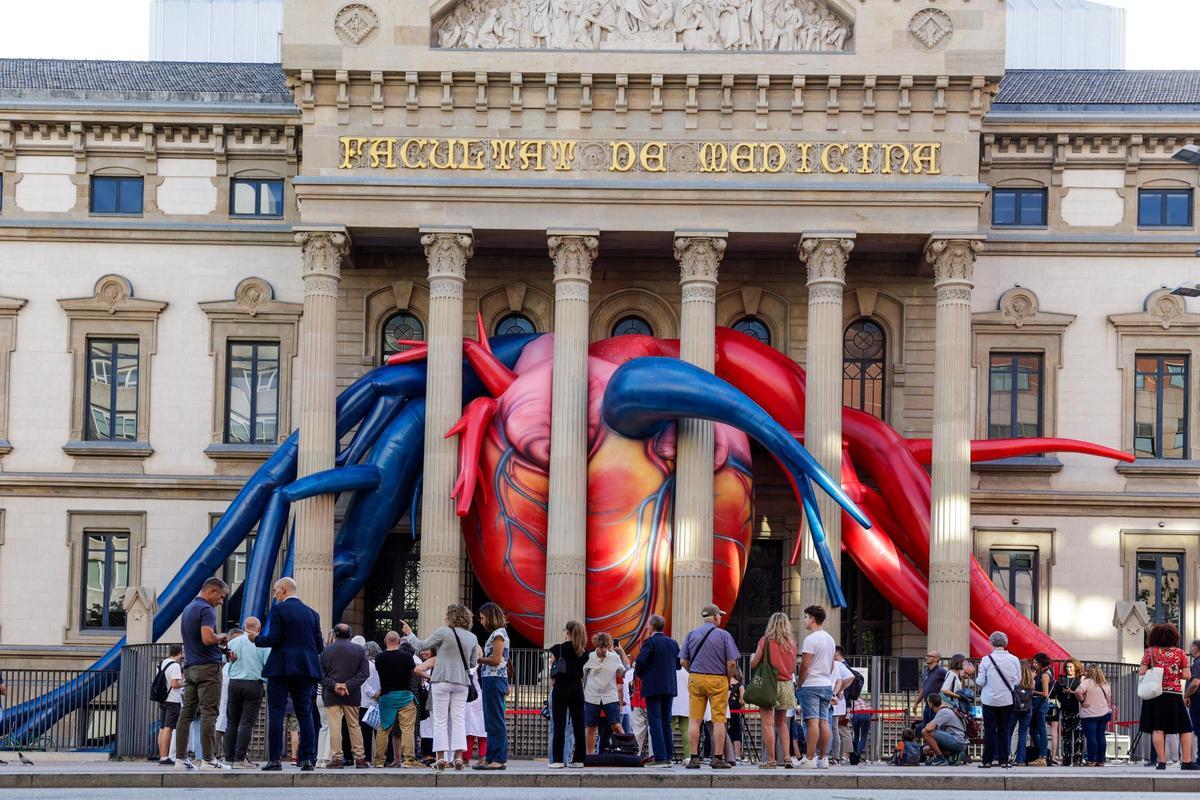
{"x":854,"y":690}
{"x":158,"y":687}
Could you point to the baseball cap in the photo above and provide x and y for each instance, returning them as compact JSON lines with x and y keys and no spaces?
{"x":711,"y":610}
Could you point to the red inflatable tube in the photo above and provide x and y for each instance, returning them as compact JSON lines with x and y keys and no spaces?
{"x":995,"y":449}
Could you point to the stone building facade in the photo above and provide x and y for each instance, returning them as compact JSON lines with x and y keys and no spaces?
{"x":964,"y":253}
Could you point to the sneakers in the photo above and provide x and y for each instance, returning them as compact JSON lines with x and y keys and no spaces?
{"x":940,"y":761}
{"x":412,"y":763}
{"x":184,"y":765}
{"x":809,"y":763}
{"x":576,"y":765}
{"x":215,"y":765}
{"x":822,"y":763}
{"x":659,"y":765}
{"x":245,"y":763}
{"x":692,"y":763}
{"x":1038,"y":762}
{"x":556,"y":765}
{"x":166,"y":762}
{"x":718,"y":762}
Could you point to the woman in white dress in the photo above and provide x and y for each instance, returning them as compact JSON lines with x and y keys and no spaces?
{"x":476,"y":730}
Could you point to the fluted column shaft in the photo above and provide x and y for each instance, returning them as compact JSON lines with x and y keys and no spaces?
{"x":447,"y":251}
{"x":953,"y":261}
{"x":322,"y":251}
{"x":825,"y":256}
{"x":699,"y":256}
{"x":566,"y":533}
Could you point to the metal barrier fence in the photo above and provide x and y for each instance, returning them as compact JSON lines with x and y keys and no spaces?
{"x":89,"y":724}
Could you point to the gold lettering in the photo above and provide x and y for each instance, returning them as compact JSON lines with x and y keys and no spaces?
{"x":805,"y":149}
{"x":470,"y":147}
{"x":383,"y":149}
{"x":503,"y":153}
{"x":654,"y":156}
{"x":623,"y":157}
{"x":864,"y":152}
{"x":741,"y":157}
{"x":532,"y":152}
{"x":562,"y":153}
{"x":352,"y":147}
{"x":926,"y":154}
{"x":406,"y":150}
{"x":886,"y":167}
{"x":714,"y":157}
{"x":774,"y":157}
{"x":448,"y":162}
{"x":827,"y":165}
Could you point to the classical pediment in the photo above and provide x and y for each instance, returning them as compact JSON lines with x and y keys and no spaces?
{"x":714,"y":25}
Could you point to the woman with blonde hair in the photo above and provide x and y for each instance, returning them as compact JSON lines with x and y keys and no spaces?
{"x":1021,"y":719}
{"x":566,"y":672}
{"x":778,"y":646}
{"x":457,"y":652}
{"x":1095,"y":695}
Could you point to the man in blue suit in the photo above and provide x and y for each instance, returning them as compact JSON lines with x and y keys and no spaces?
{"x":293,"y":632}
{"x":657,"y":663}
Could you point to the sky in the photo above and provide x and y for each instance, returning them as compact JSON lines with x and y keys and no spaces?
{"x":1162,"y":34}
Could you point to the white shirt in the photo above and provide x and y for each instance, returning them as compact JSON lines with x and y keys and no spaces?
{"x":174,"y":673}
{"x":221,"y":717}
{"x":840,"y":673}
{"x":600,"y":678}
{"x":995,"y":693}
{"x":820,"y":668}
{"x":679,"y":703}
{"x":370,"y":687}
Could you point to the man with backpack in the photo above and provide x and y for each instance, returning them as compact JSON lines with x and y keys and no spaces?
{"x":167,"y":691}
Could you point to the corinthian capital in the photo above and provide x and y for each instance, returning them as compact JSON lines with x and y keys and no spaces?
{"x":573,"y":254}
{"x":826,"y":256}
{"x":699,"y":257}
{"x":323,"y":252}
{"x":953,"y":259}
{"x":447,"y":252}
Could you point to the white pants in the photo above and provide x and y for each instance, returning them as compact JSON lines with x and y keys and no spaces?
{"x":641,"y":728}
{"x":323,"y":734}
{"x":449,"y":718}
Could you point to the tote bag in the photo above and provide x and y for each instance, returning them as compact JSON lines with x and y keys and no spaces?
{"x":763,"y":688}
{"x":1150,"y":684}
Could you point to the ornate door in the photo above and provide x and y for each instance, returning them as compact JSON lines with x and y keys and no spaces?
{"x":761,"y":595}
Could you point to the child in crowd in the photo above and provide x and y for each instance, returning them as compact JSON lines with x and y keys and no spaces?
{"x":908,"y":750}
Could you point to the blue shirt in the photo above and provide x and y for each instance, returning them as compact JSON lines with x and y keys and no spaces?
{"x":250,"y":660}
{"x":711,"y":659}
{"x":197,"y":615}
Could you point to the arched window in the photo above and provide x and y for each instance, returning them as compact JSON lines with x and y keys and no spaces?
{"x":632,"y":324}
{"x":753,"y":327}
{"x":399,"y":327}
{"x":514,"y":323}
{"x":863,"y":367}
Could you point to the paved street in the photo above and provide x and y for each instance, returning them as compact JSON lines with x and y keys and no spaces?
{"x":526,"y":794}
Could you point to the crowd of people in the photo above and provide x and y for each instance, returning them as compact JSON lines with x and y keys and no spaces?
{"x":436,"y":702}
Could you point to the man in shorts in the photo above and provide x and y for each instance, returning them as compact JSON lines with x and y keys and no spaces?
{"x":169,"y":713}
{"x":816,"y":688}
{"x":945,"y":734}
{"x":709,"y":654}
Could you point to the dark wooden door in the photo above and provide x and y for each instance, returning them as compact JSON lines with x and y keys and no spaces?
{"x":761,"y":594}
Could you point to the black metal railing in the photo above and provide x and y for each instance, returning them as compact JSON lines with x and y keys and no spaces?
{"x":84,"y":722}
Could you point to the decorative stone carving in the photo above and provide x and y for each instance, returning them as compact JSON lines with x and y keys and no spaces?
{"x":699,"y":258}
{"x":953,"y":260}
{"x":355,"y":23}
{"x":141,"y":604}
{"x":573,"y":256}
{"x":825,"y":258}
{"x":1160,"y":310}
{"x":732,"y":25}
{"x":448,"y":253}
{"x":322,"y":252}
{"x":1020,"y":308}
{"x":931,"y":28}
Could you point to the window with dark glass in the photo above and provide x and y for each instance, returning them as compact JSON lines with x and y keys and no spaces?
{"x":1160,"y":407}
{"x":514,"y":323}
{"x":632,"y":325}
{"x":116,"y":194}
{"x":112,"y":390}
{"x":256,"y":197}
{"x":400,"y":327}
{"x":753,"y":327}
{"x":1166,"y":208}
{"x":1160,"y":586}
{"x":105,"y":577}
{"x":252,"y":393}
{"x":1019,"y":207}
{"x":1014,"y":573}
{"x":234,"y":574}
{"x":863,"y":367}
{"x":1014,"y":395}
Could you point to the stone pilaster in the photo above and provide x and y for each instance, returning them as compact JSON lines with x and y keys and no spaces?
{"x":447,"y":250}
{"x":825,"y":256}
{"x":323,"y":250}
{"x":699,"y":255}
{"x":566,"y":534}
{"x":953,"y":260}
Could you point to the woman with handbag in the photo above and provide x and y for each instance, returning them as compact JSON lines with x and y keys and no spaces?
{"x":771,"y":687}
{"x":1164,"y":672}
{"x":566,"y":672}
{"x":1070,"y":716}
{"x":1095,"y":695}
{"x":1022,"y":715}
{"x":457,"y":652}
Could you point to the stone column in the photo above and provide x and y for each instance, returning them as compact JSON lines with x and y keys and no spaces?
{"x":566,"y":533}
{"x":699,"y":255}
{"x":825,"y":256}
{"x":953,"y":260}
{"x":323,"y":250}
{"x":447,"y":251}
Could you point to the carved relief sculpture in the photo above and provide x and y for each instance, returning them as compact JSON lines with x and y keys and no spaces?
{"x":755,"y":25}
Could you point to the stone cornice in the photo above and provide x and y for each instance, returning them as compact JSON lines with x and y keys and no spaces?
{"x":67,"y":484}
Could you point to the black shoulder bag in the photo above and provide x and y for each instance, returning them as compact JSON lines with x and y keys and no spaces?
{"x":472,"y":692}
{"x":1022,"y":698}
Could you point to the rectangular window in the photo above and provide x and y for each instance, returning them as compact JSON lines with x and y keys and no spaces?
{"x":116,"y":195}
{"x":1014,"y":395}
{"x":1160,"y":586}
{"x":1019,"y":207}
{"x":252,"y":393}
{"x":112,"y":390}
{"x":1160,"y":407}
{"x":234,"y":574}
{"x":1165,"y":208}
{"x":1015,"y":575}
{"x":105,"y":579}
{"x":256,"y":197}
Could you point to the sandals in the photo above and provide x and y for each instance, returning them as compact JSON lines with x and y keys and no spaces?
{"x":440,"y":765}
{"x":459,"y":764}
{"x":767,"y":765}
